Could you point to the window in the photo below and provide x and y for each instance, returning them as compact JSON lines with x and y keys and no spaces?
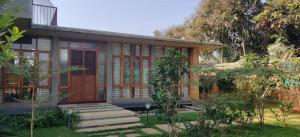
{"x":131,"y":65}
{"x":36,"y":53}
{"x":161,"y":51}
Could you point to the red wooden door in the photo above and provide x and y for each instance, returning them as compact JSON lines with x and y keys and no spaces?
{"x":83,"y":81}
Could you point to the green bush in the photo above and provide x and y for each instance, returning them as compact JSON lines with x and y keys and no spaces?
{"x":5,"y":125}
{"x":52,"y":118}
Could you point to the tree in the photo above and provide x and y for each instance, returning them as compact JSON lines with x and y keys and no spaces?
{"x":167,"y":80}
{"x":280,"y":19}
{"x":8,"y":34}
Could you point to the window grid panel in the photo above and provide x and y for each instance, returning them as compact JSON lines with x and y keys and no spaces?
{"x":126,"y":49}
{"x":44,"y":68}
{"x":145,"y":71}
{"x":116,"y":93}
{"x":126,"y":92}
{"x":145,"y":50}
{"x":116,"y":49}
{"x":44,"y":44}
{"x":145,"y":92}
{"x":126,"y":70}
{"x":101,"y":66}
{"x":159,"y":52}
{"x":117,"y":72}
{"x":136,"y":92}
{"x":137,"y":51}
{"x":64,"y":53}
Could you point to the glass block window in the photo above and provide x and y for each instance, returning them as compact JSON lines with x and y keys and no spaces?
{"x":116,"y":93}
{"x":29,"y":56}
{"x":44,"y":68}
{"x":145,"y":92}
{"x":11,"y":77}
{"x":137,"y":50}
{"x":101,"y":93}
{"x":126,"y":70}
{"x":159,"y":52}
{"x":64,"y":44}
{"x":145,"y":51}
{"x":136,"y":92}
{"x":42,"y":95}
{"x":136,"y":71}
{"x":126,"y":49}
{"x":116,"y":71}
{"x":185,"y":52}
{"x":126,"y":92}
{"x":145,"y":71}
{"x":44,"y":44}
{"x":116,"y":49}
{"x":101,"y":66}
{"x":64,"y":53}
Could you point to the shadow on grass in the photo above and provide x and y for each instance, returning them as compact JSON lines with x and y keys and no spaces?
{"x":255,"y":130}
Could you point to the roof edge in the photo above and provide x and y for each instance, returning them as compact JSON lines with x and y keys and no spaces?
{"x":126,"y":35}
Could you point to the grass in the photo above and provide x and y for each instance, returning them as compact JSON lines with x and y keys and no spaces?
{"x":51,"y":132}
{"x":272,"y":128}
{"x":184,"y":117}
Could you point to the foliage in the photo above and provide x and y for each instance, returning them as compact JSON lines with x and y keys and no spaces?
{"x":5,"y":125}
{"x":166,"y":79}
{"x":221,"y":112}
{"x":8,"y":34}
{"x":45,"y":119}
{"x":285,"y":108}
{"x":280,"y":18}
{"x":226,"y":85}
{"x":202,"y":128}
{"x":252,"y":60}
{"x":279,"y":48}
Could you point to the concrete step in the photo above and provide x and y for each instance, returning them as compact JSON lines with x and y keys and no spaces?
{"x":106,"y":114}
{"x":98,"y":110}
{"x":102,"y":128}
{"x":106,"y":122}
{"x":84,"y":105}
{"x":94,"y":107}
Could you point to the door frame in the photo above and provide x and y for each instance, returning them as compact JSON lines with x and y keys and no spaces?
{"x":96,"y":75}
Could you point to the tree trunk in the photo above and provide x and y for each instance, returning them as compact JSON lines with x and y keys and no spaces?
{"x":32,"y":111}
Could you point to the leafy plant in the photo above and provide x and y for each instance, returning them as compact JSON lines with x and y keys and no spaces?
{"x":54,"y":117}
{"x":167,"y":81}
{"x":8,"y":34}
{"x":6,"y":129}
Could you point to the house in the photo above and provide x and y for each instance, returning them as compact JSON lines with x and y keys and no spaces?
{"x":116,"y":65}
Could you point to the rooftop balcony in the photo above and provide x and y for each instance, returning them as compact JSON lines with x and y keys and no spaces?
{"x":44,"y":15}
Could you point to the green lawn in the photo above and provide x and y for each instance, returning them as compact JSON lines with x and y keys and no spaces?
{"x":51,"y":132}
{"x":184,"y":117}
{"x":271,"y":129}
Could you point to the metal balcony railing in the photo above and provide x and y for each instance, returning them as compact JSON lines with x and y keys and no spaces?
{"x":44,"y":15}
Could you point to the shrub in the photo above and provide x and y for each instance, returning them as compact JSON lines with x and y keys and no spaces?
{"x":5,"y":125}
{"x":202,"y":128}
{"x":52,"y":118}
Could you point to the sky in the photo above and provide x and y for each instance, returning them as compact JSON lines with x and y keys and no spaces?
{"x":126,"y":16}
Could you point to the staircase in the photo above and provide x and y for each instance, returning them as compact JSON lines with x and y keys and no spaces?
{"x":103,"y":116}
